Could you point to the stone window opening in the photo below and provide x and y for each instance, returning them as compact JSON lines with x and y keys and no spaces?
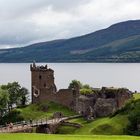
{"x":36,"y":92}
{"x":54,"y":88}
{"x":45,"y":85}
{"x":74,"y":93}
{"x":110,"y":95}
{"x":40,"y":77}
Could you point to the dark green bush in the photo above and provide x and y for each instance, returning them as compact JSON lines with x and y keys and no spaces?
{"x":13,"y":116}
{"x":134,"y":126}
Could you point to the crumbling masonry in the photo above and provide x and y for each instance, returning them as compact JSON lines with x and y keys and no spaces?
{"x":102,"y":103}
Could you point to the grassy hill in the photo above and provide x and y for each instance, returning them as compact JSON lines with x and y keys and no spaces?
{"x":62,"y":137}
{"x":113,"y":125}
{"x":117,"y":43}
{"x":35,"y":112}
{"x":102,"y":126}
{"x":136,"y":96}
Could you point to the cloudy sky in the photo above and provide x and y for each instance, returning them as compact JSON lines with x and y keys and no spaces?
{"x":29,"y":21}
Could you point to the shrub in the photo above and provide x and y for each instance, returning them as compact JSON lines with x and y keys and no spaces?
{"x":86,"y":91}
{"x":134,"y":126}
{"x":13,"y":116}
{"x":73,"y":83}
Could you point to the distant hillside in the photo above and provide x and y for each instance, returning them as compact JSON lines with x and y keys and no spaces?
{"x":118,"y":43}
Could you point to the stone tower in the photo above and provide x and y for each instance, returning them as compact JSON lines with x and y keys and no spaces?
{"x":42,"y":82}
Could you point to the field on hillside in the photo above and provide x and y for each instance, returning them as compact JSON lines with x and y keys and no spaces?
{"x":43,"y":110}
{"x":36,"y":111}
{"x":62,"y":137}
{"x":115,"y":125}
{"x":105,"y":126}
{"x":136,"y":96}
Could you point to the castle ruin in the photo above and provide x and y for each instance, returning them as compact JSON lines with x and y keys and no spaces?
{"x":102,"y":103}
{"x":44,"y":88}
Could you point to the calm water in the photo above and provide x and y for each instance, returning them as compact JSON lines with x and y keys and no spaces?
{"x":95,"y":74}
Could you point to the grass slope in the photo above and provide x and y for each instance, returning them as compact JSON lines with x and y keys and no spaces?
{"x":62,"y":137}
{"x":136,"y":96}
{"x":35,"y":111}
{"x":105,"y":126}
{"x":102,"y":126}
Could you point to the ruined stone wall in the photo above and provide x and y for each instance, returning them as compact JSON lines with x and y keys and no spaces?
{"x":44,"y":89}
{"x":122,"y":98}
{"x":83,"y":104}
{"x":42,"y":79}
{"x":121,"y":95}
{"x":64,"y":97}
{"x":45,"y":95}
{"x":103,"y":103}
{"x":105,"y":107}
{"x":82,"y":107}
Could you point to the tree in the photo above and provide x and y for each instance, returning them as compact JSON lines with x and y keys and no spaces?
{"x":84,"y":89}
{"x":75,"y":82}
{"x":23,"y":96}
{"x":133,"y":127}
{"x":4,"y":99}
{"x":13,"y":90}
{"x":17,"y":94}
{"x":86,"y":86}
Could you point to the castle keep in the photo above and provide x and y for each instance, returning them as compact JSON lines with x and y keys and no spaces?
{"x":102,"y":103}
{"x":44,"y":88}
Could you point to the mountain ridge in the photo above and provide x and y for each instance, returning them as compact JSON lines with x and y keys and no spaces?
{"x":85,"y":48}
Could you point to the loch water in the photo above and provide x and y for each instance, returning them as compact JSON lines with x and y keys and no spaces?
{"x":95,"y":74}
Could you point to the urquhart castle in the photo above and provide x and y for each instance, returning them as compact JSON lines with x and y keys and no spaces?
{"x":103,"y":102}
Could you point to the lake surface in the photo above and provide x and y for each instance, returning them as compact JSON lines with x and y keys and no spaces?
{"x":94,"y":74}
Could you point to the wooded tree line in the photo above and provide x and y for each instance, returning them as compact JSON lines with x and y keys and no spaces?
{"x":12,"y":95}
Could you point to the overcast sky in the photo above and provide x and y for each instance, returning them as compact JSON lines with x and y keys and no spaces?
{"x":29,"y":21}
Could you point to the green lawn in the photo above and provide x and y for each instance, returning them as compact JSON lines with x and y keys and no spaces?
{"x":104,"y":126}
{"x":136,"y":96}
{"x":35,"y":111}
{"x":62,"y":137}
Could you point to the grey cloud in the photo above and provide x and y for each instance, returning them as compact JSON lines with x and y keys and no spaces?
{"x":17,"y":8}
{"x":28,"y":21}
{"x":66,"y":4}
{"x":10,"y":9}
{"x":15,"y":27}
